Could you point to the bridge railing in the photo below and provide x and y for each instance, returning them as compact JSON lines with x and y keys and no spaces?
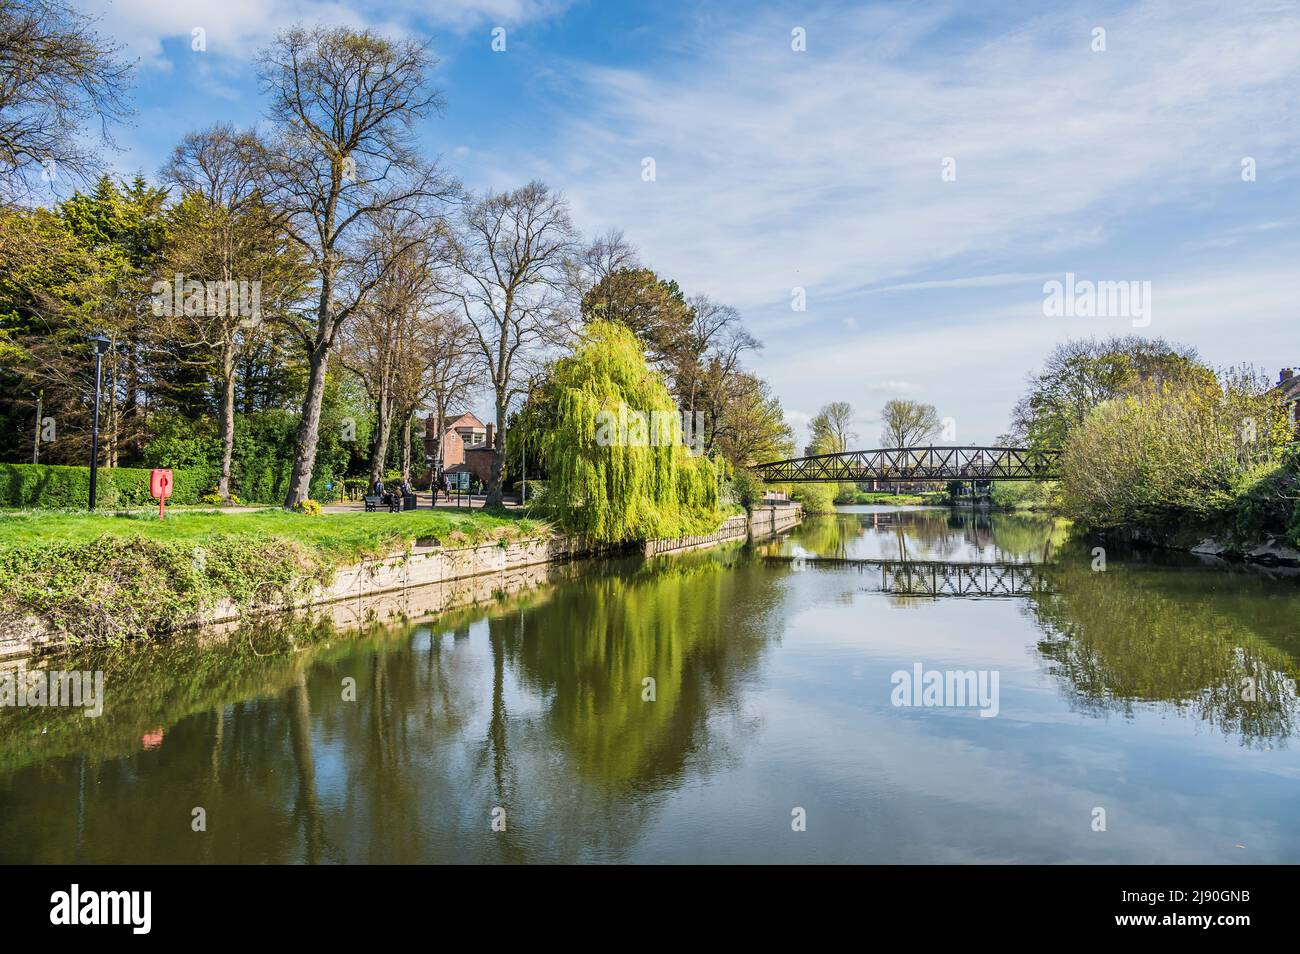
{"x":916,"y":463}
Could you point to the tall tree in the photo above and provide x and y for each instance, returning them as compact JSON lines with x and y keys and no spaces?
{"x":1080,"y":375}
{"x":907,"y":423}
{"x":513,"y":258}
{"x":223,"y":234}
{"x":832,"y":428}
{"x":44,"y":273}
{"x":750,"y":425}
{"x":343,"y":104}
{"x":653,"y":309}
{"x":58,"y":78}
{"x":454,"y":375}
{"x":607,"y":480}
{"x":709,"y":354}
{"x":120,"y":230}
{"x":383,"y":345}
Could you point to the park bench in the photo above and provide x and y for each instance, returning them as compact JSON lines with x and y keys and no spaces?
{"x":394,"y":503}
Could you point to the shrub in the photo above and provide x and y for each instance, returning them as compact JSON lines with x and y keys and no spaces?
{"x":1162,"y":454}
{"x":310,"y":507}
{"x":113,"y":589}
{"x":745,"y":489}
{"x":214,"y":499}
{"x":1267,"y":501}
{"x":54,"y":486}
{"x":1022,"y":494}
{"x":816,"y":498}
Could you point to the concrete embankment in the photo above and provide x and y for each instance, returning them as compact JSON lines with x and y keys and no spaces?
{"x":427,"y":580}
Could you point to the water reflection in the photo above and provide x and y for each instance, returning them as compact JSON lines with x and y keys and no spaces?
{"x":675,"y":710}
{"x":925,"y":533}
{"x":1202,"y":642}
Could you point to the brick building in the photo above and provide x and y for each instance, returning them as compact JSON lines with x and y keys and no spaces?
{"x":1288,"y":384}
{"x":465,"y":450}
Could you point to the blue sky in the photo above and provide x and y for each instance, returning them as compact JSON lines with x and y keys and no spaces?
{"x":822,"y":168}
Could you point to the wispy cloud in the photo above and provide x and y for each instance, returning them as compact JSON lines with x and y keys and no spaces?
{"x":239,"y":28}
{"x":824,"y":170}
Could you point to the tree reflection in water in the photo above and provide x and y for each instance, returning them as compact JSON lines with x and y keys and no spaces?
{"x":536,"y":703}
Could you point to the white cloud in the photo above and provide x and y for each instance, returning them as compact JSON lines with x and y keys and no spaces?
{"x":239,"y":28}
{"x":973,"y":365}
{"x":822,"y":170}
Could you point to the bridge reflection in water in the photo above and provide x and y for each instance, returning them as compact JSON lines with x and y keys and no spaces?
{"x":935,"y":578}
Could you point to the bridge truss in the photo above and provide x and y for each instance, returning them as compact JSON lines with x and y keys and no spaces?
{"x":915,"y":463}
{"x":934,"y":578}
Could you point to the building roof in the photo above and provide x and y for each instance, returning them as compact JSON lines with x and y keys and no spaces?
{"x":1289,"y":385}
{"x":467,"y":419}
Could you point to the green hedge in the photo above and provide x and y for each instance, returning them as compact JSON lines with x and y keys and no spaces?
{"x":53,"y":486}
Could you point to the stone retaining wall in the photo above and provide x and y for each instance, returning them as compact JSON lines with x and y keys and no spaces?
{"x":759,"y":523}
{"x":418,"y":583}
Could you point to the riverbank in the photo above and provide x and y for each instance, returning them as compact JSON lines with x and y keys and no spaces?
{"x":1267,"y":550}
{"x":347,"y":744}
{"x":104,"y":580}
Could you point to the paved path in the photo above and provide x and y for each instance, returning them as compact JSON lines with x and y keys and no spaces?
{"x":422,"y":503}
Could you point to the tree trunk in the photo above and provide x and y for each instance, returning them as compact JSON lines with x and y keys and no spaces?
{"x":383,"y":425}
{"x":435,"y":469}
{"x":227,"y":426}
{"x":304,"y":458}
{"x":494,"y":494}
{"x":406,"y":447}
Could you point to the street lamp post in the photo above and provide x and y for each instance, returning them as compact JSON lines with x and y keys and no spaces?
{"x":100,"y":343}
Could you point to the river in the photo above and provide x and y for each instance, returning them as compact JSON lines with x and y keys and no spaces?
{"x":737,"y":705}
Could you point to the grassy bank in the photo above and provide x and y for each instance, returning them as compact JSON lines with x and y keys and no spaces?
{"x":862,"y":497}
{"x":108,"y":578}
{"x":341,"y":535}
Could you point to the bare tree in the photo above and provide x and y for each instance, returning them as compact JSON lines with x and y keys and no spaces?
{"x":710,"y":358}
{"x":223,"y":233}
{"x":607,"y":254}
{"x":832,"y":428}
{"x":384,"y":343}
{"x":513,"y":259}
{"x":454,"y":374}
{"x":908,"y":423}
{"x":344,"y":105}
{"x":57,"y":78}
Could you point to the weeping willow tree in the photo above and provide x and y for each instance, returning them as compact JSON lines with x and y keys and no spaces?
{"x":620,"y":466}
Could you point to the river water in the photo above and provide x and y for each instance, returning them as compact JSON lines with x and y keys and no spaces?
{"x":739,"y":705}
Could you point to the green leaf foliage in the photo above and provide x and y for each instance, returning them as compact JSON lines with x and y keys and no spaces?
{"x":617,"y":468}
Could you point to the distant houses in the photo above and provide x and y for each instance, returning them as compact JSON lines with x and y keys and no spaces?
{"x":1288,"y":385}
{"x":465,"y":451}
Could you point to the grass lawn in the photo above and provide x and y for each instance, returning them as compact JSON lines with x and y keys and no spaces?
{"x":896,"y":500}
{"x":338,"y":536}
